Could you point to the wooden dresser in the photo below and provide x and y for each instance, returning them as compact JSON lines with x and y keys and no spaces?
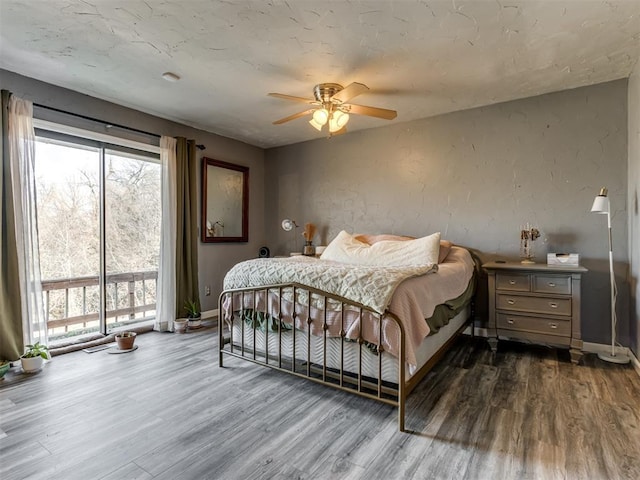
{"x":536,"y":303}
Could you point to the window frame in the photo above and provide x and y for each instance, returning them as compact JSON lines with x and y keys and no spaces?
{"x":77,"y":137}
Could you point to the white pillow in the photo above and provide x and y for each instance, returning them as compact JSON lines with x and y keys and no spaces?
{"x":387,"y":253}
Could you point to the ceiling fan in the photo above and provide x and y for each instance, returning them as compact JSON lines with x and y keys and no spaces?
{"x":330,"y":106}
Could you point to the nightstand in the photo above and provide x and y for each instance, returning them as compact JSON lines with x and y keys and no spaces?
{"x":536,"y":303}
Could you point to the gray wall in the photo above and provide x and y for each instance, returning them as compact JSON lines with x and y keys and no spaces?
{"x":476,"y":176}
{"x":634,"y":214}
{"x":214,"y":259}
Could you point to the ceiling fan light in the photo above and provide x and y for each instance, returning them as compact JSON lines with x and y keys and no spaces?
{"x":341,"y":118}
{"x":337,"y":121}
{"x":315,"y":124}
{"x":321,"y":116}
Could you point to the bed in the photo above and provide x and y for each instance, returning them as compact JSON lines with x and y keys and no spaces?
{"x":371,"y":316}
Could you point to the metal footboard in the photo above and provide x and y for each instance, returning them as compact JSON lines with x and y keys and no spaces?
{"x":259,"y":311}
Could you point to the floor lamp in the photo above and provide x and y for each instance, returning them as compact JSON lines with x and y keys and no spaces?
{"x":601,"y":205}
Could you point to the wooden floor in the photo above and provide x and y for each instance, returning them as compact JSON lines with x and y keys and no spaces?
{"x":166,"y":411}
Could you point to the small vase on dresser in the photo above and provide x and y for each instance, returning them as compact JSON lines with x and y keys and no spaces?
{"x":309,"y":250}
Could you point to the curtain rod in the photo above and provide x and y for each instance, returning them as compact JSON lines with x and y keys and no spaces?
{"x":107,"y":124}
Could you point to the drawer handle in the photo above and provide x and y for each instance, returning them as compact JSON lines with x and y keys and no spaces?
{"x":510,"y":321}
{"x":553,"y":304}
{"x":551,"y":284}
{"x":512,"y":282}
{"x":511,"y":302}
{"x":553,"y":325}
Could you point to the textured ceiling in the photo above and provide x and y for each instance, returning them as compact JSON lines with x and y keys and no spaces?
{"x":420,"y":58}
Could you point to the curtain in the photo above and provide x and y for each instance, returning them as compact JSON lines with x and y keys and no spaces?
{"x":166,"y":290}
{"x":22,"y":156}
{"x":186,"y":225}
{"x":11,"y":341}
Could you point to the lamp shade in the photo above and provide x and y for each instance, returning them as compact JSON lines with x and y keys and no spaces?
{"x":321,"y":116}
{"x":287,"y":224}
{"x":601,"y":202}
{"x":341,"y":118}
{"x":337,"y":121}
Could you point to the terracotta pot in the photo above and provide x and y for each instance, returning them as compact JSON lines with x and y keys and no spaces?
{"x":125,"y":340}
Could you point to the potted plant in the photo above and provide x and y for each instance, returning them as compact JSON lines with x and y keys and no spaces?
{"x":192,"y":307}
{"x":34,"y":356}
{"x":125,"y":340}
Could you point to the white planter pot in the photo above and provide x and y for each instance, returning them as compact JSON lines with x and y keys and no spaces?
{"x":32,"y":364}
{"x":195,"y":322}
{"x":180,"y":325}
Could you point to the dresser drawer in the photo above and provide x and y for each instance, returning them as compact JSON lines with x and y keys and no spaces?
{"x":552,"y":284}
{"x":513,"y":282}
{"x":521,"y":303}
{"x":533,"y":324}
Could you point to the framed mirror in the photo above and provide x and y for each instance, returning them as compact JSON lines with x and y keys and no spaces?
{"x":225,"y":202}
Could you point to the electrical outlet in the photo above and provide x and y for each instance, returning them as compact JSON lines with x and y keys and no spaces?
{"x":207,"y":290}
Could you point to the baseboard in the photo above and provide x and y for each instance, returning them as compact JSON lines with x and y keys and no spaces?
{"x":209,"y":313}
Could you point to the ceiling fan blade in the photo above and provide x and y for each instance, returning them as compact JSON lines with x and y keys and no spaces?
{"x":294,"y":116}
{"x":372,"y":111}
{"x":342,"y":131}
{"x":291,"y":97}
{"x":350,"y":91}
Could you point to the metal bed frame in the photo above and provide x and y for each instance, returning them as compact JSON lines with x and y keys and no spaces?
{"x":394,"y":394}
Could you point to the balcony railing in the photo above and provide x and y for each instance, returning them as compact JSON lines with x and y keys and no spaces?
{"x":71,"y":304}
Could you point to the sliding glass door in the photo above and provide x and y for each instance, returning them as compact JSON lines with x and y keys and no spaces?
{"x":68,"y":218}
{"x":132,"y":236}
{"x":98,"y":210}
